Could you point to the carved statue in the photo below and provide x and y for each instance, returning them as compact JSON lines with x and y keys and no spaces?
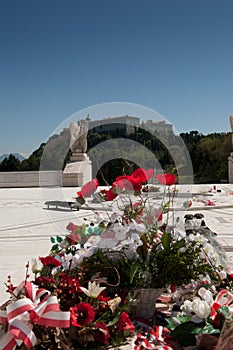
{"x":78,"y":136}
{"x":231,"y":122}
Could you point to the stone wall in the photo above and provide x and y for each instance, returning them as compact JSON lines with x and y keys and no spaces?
{"x":230,"y":168}
{"x":30,"y":178}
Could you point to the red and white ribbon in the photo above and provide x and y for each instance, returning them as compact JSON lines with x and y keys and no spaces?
{"x":48,"y":314}
{"x":224,"y":298}
{"x":22,"y":313}
{"x":153,"y":340}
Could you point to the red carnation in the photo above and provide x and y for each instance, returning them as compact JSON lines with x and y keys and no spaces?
{"x":166,"y":179}
{"x":102,"y":333}
{"x":88,"y":189}
{"x":81,"y":314}
{"x":124,"y":323}
{"x":49,"y":260}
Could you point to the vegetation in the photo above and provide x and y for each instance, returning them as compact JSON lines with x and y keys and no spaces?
{"x":209,"y":154}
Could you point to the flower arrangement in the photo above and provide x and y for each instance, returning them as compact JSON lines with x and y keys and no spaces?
{"x":81,"y":296}
{"x":202,"y":316}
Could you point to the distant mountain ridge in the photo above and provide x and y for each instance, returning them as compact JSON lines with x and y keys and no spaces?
{"x":19,"y":156}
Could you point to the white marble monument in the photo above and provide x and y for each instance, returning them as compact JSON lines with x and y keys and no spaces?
{"x":230,"y":158}
{"x":78,"y":170}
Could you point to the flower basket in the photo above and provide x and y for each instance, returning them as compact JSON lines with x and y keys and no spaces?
{"x":144,"y":305}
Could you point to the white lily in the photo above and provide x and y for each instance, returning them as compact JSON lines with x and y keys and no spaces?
{"x":93,"y":290}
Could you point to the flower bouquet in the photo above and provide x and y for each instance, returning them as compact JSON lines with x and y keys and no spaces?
{"x":83,"y":291}
{"x":205,"y":317}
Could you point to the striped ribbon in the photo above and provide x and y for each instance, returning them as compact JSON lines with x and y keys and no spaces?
{"x":153,"y":340}
{"x":224,"y":298}
{"x":21,"y":314}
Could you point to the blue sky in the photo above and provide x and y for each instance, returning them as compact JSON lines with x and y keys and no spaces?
{"x":58,"y":57}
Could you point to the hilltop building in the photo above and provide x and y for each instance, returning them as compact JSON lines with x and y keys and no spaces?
{"x":127,"y":124}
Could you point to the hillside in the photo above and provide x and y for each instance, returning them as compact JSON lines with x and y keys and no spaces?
{"x":209,"y":154}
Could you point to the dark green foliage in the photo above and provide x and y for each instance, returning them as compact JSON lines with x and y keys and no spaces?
{"x":209,"y":154}
{"x":173,"y":265}
{"x":33,"y":162}
{"x":118,"y":271}
{"x":10,"y":164}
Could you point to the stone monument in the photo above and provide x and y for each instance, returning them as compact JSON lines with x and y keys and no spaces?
{"x":78,"y":170}
{"x":230,"y":158}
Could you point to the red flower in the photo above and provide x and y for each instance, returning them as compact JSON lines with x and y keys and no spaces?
{"x":124,"y":323}
{"x":70,"y":283}
{"x":72,"y":227}
{"x":142,"y":175}
{"x":73,"y":238}
{"x":81,"y":314}
{"x":49,"y":260}
{"x":45,"y":282}
{"x":166,"y":179}
{"x":88,"y":189}
{"x":128,"y":182}
{"x":102,"y":333}
{"x":110,"y":194}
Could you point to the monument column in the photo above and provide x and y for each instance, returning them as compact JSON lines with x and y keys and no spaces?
{"x":78,"y":170}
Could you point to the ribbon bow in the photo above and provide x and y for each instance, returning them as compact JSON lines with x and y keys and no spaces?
{"x":153,"y":340}
{"x":224,"y":298}
{"x":23,"y":313}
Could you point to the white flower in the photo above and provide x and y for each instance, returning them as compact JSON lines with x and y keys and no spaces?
{"x":179,"y":233}
{"x":197,"y":238}
{"x":222,"y":274}
{"x":107,"y":243}
{"x":120,"y":231}
{"x":91,"y":242}
{"x":113,"y":217}
{"x":187,"y":307}
{"x":209,"y":250}
{"x":201,"y":308}
{"x":93,"y":290}
{"x":206,"y":295}
{"x":137,"y":227}
{"x":36,"y":266}
{"x":99,"y":218}
{"x":136,"y":239}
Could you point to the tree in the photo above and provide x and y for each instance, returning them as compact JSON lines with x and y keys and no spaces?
{"x":10,"y":163}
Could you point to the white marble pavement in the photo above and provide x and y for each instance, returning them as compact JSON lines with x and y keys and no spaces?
{"x":26,"y":224}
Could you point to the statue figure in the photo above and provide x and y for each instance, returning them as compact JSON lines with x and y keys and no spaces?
{"x":231,"y":122}
{"x":78,"y":136}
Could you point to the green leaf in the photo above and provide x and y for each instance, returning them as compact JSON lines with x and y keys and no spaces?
{"x":83,"y":228}
{"x":181,"y":243}
{"x":224,"y":311}
{"x":171,"y":324}
{"x":55,"y":247}
{"x":181,"y":318}
{"x":52,"y":239}
{"x":133,"y":269}
{"x":89,"y":230}
{"x":184,"y":333}
{"x":207,"y":329}
{"x":166,"y":240}
{"x":114,"y":321}
{"x":59,"y":239}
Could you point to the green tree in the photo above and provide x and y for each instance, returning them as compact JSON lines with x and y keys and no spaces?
{"x":10,"y":163}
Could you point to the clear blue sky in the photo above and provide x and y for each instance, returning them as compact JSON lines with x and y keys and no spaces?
{"x":60,"y":56}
